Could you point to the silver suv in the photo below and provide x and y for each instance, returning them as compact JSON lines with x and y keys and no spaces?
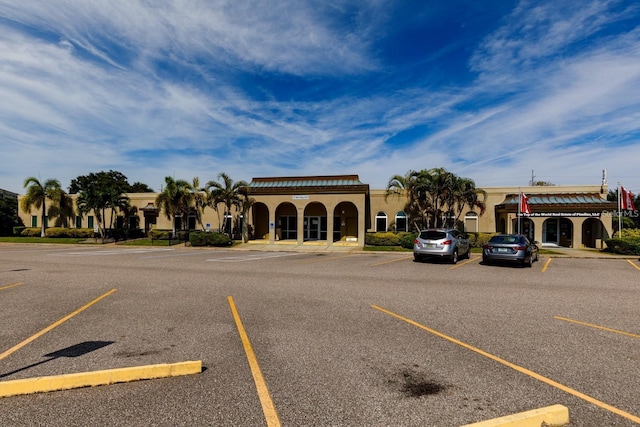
{"x":450,"y":244}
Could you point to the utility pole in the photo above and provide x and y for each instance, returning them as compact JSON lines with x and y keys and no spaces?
{"x":533,"y":177}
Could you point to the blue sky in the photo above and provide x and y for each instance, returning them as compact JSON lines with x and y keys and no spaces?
{"x":489,"y":90}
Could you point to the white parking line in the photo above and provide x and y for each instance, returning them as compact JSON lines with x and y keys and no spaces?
{"x":111,"y":252}
{"x":251,"y":257}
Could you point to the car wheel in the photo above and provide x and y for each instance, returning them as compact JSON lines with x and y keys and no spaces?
{"x":537,"y":257}
{"x":454,"y":257}
{"x":417,"y":258}
{"x":530,"y":261}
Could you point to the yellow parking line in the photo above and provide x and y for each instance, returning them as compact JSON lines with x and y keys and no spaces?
{"x":634,"y":265}
{"x":268,"y":407}
{"x":53,"y":325}
{"x":11,"y":286}
{"x":546,"y":264}
{"x":460,"y":264}
{"x":520,"y":369}
{"x":390,"y":261}
{"x":591,"y":325}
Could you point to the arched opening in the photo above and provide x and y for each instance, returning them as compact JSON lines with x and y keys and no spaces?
{"x":260,"y":214}
{"x":345,"y":222}
{"x":527,"y":227}
{"x":286,"y":222}
{"x":401,"y":222}
{"x":593,"y":233}
{"x":381,"y":222}
{"x":557,"y":231}
{"x":315,"y":222}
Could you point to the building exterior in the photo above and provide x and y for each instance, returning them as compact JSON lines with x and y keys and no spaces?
{"x":339,"y":210}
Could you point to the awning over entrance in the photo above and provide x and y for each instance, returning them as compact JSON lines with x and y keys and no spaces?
{"x":563,"y":202}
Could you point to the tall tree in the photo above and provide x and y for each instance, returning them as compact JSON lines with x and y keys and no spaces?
{"x":37,"y":195}
{"x":8,"y":215}
{"x":227,"y":192}
{"x":175,"y":200}
{"x":62,"y":209}
{"x":199,"y":198}
{"x":99,"y":192}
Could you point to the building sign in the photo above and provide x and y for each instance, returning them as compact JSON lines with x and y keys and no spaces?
{"x":298,"y":197}
{"x":566,"y":214}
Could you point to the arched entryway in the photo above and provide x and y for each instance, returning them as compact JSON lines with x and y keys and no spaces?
{"x":345,"y":222}
{"x":315,"y":222}
{"x":260,"y":221}
{"x":593,"y":233}
{"x":286,"y":222}
{"x":557,"y":231}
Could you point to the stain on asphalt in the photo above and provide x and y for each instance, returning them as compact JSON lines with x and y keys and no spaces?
{"x":411,"y":382}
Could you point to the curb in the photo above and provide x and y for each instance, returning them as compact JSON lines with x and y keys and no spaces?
{"x":96,"y":378}
{"x":554,"y":415}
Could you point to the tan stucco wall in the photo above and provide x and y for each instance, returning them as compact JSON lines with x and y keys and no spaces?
{"x":354,"y":221}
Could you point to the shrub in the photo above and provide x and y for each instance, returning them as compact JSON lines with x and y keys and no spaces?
{"x":31,"y":232}
{"x":17,"y":231}
{"x":80,"y":233}
{"x":625,"y":245}
{"x":160,"y":234}
{"x":406,"y":239}
{"x":382,"y":239}
{"x":478,"y":240}
{"x":627,"y":232}
{"x":199,"y":238}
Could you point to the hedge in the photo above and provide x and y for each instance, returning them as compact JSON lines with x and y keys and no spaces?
{"x":199,"y":238}
{"x":624,"y":245}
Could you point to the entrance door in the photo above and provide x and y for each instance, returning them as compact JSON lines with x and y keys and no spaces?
{"x":311,"y":227}
{"x":550,"y":231}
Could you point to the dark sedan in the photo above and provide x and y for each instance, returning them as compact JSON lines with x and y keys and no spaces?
{"x":510,"y":248}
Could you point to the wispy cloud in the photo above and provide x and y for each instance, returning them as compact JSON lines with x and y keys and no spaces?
{"x":190,"y":88}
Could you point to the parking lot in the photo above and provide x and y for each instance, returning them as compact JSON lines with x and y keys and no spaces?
{"x":340,"y":338}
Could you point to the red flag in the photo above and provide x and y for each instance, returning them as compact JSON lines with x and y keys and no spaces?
{"x":626,"y":201}
{"x":524,"y":204}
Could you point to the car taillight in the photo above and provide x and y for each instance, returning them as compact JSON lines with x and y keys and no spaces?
{"x":415,"y":241}
{"x":520,"y":248}
{"x":487,"y":247}
{"x":446,"y":242}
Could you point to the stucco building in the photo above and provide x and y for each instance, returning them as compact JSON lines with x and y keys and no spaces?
{"x":339,"y":210}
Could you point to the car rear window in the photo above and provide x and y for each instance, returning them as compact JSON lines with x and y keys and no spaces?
{"x":504,"y":239}
{"x":433,"y":235}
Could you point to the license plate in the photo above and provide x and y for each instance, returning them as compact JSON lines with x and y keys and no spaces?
{"x":503,"y":249}
{"x":431,"y":245}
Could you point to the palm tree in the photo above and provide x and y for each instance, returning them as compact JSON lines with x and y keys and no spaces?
{"x":37,"y":195}
{"x":200,"y":197}
{"x":245,"y":204}
{"x":62,"y":209}
{"x":175,"y":200}
{"x":228,"y":192}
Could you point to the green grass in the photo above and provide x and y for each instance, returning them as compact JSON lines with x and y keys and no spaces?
{"x":386,"y":249}
{"x":149,"y":242}
{"x":62,"y":240}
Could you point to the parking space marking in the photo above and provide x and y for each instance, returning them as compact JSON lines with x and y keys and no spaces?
{"x":633,"y":264}
{"x":102,"y":252}
{"x":11,"y":286}
{"x":591,"y":325}
{"x":391,"y":260}
{"x":250,"y":257}
{"x":520,"y":369}
{"x":54,"y":325}
{"x":460,"y":264}
{"x":546,"y":265}
{"x":322,"y":259}
{"x":268,"y":408}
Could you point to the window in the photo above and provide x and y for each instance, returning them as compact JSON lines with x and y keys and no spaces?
{"x":288,"y":227}
{"x":34,"y":221}
{"x":90,"y":221}
{"x":401,"y":221}
{"x":381,"y":221}
{"x":471,"y":222}
{"x":78,"y":222}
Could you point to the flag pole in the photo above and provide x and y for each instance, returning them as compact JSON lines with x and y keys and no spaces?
{"x":619,"y":212}
{"x":519,"y":205}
